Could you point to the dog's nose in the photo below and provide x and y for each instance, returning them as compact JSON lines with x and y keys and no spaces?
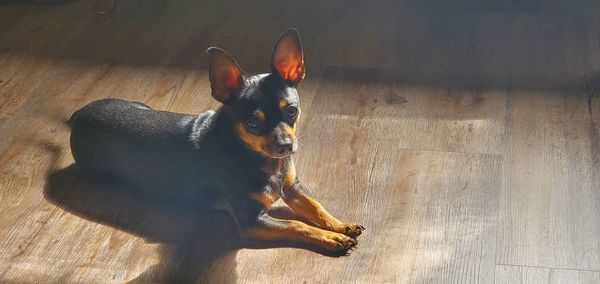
{"x":285,"y":146}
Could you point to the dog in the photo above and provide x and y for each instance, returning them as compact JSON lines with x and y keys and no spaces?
{"x":241,"y":152}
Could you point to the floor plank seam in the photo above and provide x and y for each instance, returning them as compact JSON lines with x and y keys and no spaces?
{"x":508,"y":109}
{"x":494,"y":155}
{"x":496,"y":237}
{"x":547,"y":267}
{"x":594,"y":132}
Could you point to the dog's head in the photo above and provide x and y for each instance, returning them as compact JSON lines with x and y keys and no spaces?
{"x":265,"y":108}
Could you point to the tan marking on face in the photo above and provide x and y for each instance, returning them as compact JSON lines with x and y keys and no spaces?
{"x":261,"y":115}
{"x":256,"y":143}
{"x":266,"y":199}
{"x":297,"y":119}
{"x":290,"y":131}
{"x":282,"y":104}
{"x":290,"y":175}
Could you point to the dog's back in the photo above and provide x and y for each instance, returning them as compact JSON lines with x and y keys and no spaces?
{"x":113,"y":139}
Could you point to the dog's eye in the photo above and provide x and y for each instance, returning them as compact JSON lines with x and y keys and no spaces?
{"x":292,"y":111}
{"x":253,"y":122}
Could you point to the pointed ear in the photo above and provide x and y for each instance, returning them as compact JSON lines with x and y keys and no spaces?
{"x":288,"y":58}
{"x":225,"y":75}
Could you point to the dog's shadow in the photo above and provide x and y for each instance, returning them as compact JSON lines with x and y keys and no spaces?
{"x":197,"y":245}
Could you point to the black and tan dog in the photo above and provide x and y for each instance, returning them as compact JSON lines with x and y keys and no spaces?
{"x":241,"y":153}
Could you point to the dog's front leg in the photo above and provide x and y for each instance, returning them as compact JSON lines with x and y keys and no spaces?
{"x":269,"y":228}
{"x":299,"y":199}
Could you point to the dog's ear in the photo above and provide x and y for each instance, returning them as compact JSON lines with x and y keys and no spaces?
{"x":225,"y":75}
{"x":288,"y":58}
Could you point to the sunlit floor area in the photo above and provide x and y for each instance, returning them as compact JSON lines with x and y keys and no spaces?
{"x":465,"y":137}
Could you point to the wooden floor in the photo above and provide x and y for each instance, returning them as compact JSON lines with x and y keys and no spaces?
{"x":465,"y":136}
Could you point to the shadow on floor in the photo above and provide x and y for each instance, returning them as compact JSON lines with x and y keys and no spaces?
{"x":196,"y":244}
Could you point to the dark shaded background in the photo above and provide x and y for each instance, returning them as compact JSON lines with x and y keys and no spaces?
{"x":465,"y":43}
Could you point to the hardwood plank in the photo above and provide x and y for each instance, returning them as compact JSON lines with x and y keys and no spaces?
{"x":549,"y":210}
{"x":594,"y":111}
{"x":379,"y":105}
{"x":519,"y":274}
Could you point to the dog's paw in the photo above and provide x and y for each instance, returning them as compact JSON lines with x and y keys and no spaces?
{"x":351,"y":230}
{"x":339,"y":242}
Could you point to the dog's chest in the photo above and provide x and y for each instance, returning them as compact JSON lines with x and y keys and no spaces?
{"x":275,"y":172}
